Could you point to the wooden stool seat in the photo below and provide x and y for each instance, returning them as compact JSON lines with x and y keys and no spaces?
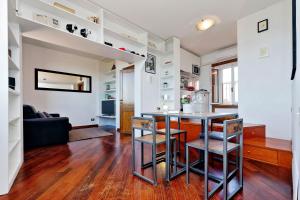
{"x":214,"y":146}
{"x":172,"y":131}
{"x":149,"y":139}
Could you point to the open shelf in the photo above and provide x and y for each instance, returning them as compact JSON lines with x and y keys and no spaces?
{"x":12,"y":144}
{"x":110,"y":72}
{"x":13,"y":92}
{"x":110,"y":82}
{"x":166,"y":89}
{"x":109,"y":91}
{"x":107,"y":116}
{"x":12,"y":40}
{"x":125,"y":37}
{"x":12,"y":65}
{"x":48,"y":35}
{"x":61,"y":13}
{"x":13,"y":119}
{"x":167,"y":77}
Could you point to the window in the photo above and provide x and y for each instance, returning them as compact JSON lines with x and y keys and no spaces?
{"x":229,"y":82}
{"x":225,"y":82}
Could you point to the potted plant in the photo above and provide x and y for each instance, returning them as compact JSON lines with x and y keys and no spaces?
{"x":186,"y":102}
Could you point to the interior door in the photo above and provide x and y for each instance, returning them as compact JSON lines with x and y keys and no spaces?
{"x":127,"y":99}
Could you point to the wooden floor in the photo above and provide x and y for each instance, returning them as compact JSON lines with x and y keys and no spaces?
{"x":101,"y":169}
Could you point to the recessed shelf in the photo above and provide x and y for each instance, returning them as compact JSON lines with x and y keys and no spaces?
{"x":165,"y":89}
{"x":12,"y":41}
{"x":167,"y":77}
{"x":14,"y":119}
{"x":61,"y":13}
{"x":12,"y":65}
{"x":107,"y":116}
{"x":110,"y":82}
{"x":13,"y":92}
{"x":110,"y":72}
{"x":109,"y":91}
{"x":12,"y":144}
{"x":125,"y":37}
{"x":48,"y":35}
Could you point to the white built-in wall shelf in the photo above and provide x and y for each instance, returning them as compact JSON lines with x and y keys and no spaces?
{"x":12,"y":40}
{"x":13,"y":92}
{"x":110,"y":82}
{"x":12,"y":65}
{"x":77,"y":19}
{"x":111,"y":90}
{"x":46,"y":34}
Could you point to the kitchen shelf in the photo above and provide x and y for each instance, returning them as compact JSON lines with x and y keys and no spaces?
{"x":121,"y":36}
{"x":110,"y":82}
{"x":12,"y":65}
{"x":43,"y":34}
{"x":167,"y":77}
{"x":166,"y":89}
{"x":61,"y":13}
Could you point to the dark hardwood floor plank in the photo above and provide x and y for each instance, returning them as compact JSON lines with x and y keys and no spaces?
{"x":101,"y":169}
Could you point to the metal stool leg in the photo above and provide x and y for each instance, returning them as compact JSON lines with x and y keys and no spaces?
{"x":179,"y":144}
{"x":225,"y":174}
{"x":175,"y":156}
{"x":184,"y":145}
{"x":133,"y":153}
{"x":154,"y":164}
{"x":187,"y":165}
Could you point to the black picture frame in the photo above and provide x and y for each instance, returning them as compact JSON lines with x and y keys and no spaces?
{"x":259,"y":30}
{"x":294,"y":35}
{"x":150,"y":64}
{"x":196,"y":70}
{"x":37,"y":70}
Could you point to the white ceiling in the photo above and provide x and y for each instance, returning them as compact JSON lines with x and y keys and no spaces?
{"x":167,"y":18}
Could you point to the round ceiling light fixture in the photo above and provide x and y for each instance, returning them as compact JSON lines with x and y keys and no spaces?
{"x":205,"y":24}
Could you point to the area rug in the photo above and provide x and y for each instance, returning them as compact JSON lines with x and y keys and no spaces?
{"x":87,"y":133}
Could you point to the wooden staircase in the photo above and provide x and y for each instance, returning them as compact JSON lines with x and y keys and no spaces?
{"x":256,"y":145}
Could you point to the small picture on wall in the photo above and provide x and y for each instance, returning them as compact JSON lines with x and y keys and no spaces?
{"x":150,"y":65}
{"x":262,"y":25}
{"x":196,"y":70}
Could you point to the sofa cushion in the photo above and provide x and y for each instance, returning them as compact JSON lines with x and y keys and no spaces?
{"x":41,"y":115}
{"x":47,"y":114}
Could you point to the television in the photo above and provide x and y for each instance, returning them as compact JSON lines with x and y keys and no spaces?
{"x":108,"y":107}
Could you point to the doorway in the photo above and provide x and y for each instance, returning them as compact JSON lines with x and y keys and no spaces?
{"x":126,"y":99}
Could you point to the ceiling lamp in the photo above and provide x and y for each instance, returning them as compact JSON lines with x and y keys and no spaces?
{"x":205,"y":24}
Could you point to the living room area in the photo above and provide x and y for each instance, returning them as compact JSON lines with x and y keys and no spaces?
{"x":100,"y":102}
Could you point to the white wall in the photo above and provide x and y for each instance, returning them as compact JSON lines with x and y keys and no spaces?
{"x":219,"y":55}
{"x":187,"y":60}
{"x":79,"y":107}
{"x":296,"y":116}
{"x":264,"y":83}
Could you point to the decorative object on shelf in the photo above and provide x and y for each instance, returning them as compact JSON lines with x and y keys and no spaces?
{"x":165,"y":97}
{"x":113,"y":67}
{"x":165,"y":85}
{"x":43,"y":19}
{"x":143,"y":55}
{"x":54,"y":23}
{"x":9,"y":53}
{"x":64,"y":8}
{"x":71,"y":28}
{"x":108,"y":44}
{"x":150,"y":64}
{"x":196,"y":69}
{"x":262,"y":25}
{"x":122,"y":49}
{"x":94,"y":19}
{"x":11,"y":82}
{"x":186,"y":104}
{"x":190,"y":88}
{"x":107,"y":87}
{"x":152,"y":45}
{"x":166,"y":73}
{"x":85,"y":32}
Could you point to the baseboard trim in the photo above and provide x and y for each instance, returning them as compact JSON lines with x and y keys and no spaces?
{"x":85,"y":126}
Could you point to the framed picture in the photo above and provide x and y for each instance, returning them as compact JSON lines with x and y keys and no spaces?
{"x":196,"y":70}
{"x":262,"y":25}
{"x":150,"y":65}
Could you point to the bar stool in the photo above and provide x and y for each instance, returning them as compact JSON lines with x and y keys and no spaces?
{"x":173,"y":132}
{"x":153,"y":139}
{"x":232,"y":128}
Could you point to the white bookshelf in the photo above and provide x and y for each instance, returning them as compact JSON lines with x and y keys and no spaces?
{"x":11,"y":137}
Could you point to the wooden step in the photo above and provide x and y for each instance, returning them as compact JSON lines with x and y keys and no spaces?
{"x":269,"y":150}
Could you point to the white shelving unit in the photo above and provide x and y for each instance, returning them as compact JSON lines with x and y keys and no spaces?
{"x":11,"y":136}
{"x":44,"y":32}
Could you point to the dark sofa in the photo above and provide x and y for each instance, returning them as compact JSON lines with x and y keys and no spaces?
{"x":43,"y":129}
